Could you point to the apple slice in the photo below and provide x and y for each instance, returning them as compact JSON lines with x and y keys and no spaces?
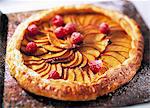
{"x":46,"y":25}
{"x":75,"y":20}
{"x":85,"y":76}
{"x":88,"y":56}
{"x":53,"y":55}
{"x":125,"y":54}
{"x":40,"y":51}
{"x":120,"y":34}
{"x":88,"y":19}
{"x":59,"y":43}
{"x":106,"y":64}
{"x":102,"y":71}
{"x":24,"y":42}
{"x":40,"y":37}
{"x":91,"y":31}
{"x":78,"y":75}
{"x":71,"y":62}
{"x":117,"y":55}
{"x":45,"y":74}
{"x":67,"y":57}
{"x":117,"y":48}
{"x":71,"y":75}
{"x":41,"y":44}
{"x":34,"y":62}
{"x":120,"y":39}
{"x":67,"y":19}
{"x":81,"y":19}
{"x":78,"y":61}
{"x":91,"y":19}
{"x":44,"y":69}
{"x":32,"y":58}
{"x":124,"y":44}
{"x":65,"y":74}
{"x":91,"y":74}
{"x":59,"y":69}
{"x":52,"y":48}
{"x":37,"y":67}
{"x":111,"y":60}
{"x":37,"y":41}
{"x":90,"y":50}
{"x":72,"y":19}
{"x":97,"y":46}
{"x":53,"y":67}
{"x":93,"y":38}
{"x":84,"y":61}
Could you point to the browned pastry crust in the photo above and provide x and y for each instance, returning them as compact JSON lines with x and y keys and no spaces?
{"x":71,"y":90}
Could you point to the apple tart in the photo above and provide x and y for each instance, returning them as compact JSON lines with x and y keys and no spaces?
{"x":75,"y":53}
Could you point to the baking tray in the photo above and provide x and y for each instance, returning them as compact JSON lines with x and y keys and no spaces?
{"x":135,"y":92}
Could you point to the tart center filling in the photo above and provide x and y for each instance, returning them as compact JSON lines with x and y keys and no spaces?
{"x":75,"y":47}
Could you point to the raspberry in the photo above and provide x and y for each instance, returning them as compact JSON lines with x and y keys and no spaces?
{"x":95,"y":66}
{"x":104,"y":28}
{"x":53,"y":75}
{"x":31,"y":47}
{"x":57,"y":21}
{"x":76,"y":38}
{"x":60,"y":32}
{"x":70,"y":28}
{"x":33,"y":30}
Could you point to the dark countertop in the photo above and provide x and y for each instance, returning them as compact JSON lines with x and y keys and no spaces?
{"x":135,"y":92}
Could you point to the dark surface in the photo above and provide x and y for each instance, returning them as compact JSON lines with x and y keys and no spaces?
{"x":3,"y":35}
{"x":135,"y":92}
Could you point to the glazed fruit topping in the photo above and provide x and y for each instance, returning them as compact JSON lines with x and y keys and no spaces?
{"x":57,"y":20}
{"x":33,"y":29}
{"x":76,"y":38}
{"x":60,"y":32}
{"x":53,"y":75}
{"x":70,"y":28}
{"x":95,"y":66}
{"x":104,"y":28}
{"x":31,"y":47}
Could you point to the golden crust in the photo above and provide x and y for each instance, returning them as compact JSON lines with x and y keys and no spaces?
{"x":76,"y":91}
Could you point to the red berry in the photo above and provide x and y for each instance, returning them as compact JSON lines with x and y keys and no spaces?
{"x":57,"y":21}
{"x":31,"y":47}
{"x":76,"y":38}
{"x":60,"y":32}
{"x":95,"y":66}
{"x":33,"y":29}
{"x":70,"y":28}
{"x":53,"y":75}
{"x":104,"y":28}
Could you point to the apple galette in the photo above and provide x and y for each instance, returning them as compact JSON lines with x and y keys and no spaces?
{"x":75,"y":53}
